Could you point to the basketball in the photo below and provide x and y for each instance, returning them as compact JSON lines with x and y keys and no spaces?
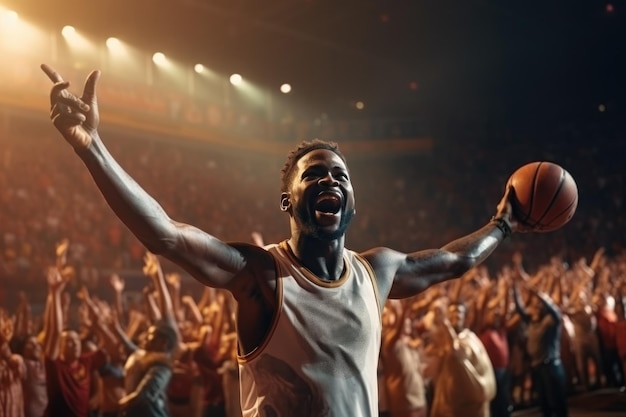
{"x":545,"y":196}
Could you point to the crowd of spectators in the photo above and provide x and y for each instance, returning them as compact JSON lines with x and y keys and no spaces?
{"x":479,"y":344}
{"x":408,"y":202}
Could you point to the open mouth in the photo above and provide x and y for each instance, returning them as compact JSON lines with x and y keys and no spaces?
{"x":328,"y":203}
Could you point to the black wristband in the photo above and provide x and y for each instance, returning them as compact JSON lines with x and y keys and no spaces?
{"x":503,"y":225}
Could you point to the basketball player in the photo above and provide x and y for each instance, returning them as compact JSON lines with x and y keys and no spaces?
{"x":309,"y":310}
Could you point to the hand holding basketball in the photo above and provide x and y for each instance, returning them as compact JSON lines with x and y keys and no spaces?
{"x":544,"y":196}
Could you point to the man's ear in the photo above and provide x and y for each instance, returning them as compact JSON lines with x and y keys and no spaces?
{"x":285,"y":204}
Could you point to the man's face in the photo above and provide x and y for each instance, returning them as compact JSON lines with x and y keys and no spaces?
{"x":321,"y":197}
{"x":155,"y":341}
{"x":70,"y":346}
{"x":32,"y":349}
{"x":456,"y":315}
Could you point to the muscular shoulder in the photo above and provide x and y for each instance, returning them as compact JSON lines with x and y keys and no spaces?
{"x":258,"y":277}
{"x":384,"y":261}
{"x":382,"y":258}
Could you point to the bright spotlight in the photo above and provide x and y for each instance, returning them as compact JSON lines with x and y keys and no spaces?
{"x":285,"y":88}
{"x":236,"y":79}
{"x":19,"y":37}
{"x":359,"y":105}
{"x":159,"y":58}
{"x":114,"y":44}
{"x":76,"y":41}
{"x":68,"y":32}
{"x":8,"y":18}
{"x":199,"y":68}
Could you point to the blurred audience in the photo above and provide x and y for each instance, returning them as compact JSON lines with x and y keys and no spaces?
{"x":84,"y":333}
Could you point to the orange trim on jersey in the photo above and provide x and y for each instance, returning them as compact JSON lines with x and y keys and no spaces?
{"x":310,"y":275}
{"x":279,"y":308}
{"x":372,"y":275}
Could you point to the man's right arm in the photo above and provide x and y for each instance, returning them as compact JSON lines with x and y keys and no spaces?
{"x":208,"y":259}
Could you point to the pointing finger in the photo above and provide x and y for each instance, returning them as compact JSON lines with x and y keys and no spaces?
{"x":52,"y":74}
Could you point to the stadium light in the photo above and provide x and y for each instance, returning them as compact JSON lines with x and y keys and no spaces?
{"x":114,"y":44}
{"x":20,"y":37}
{"x":236,"y":79}
{"x":159,"y":58}
{"x":68,"y":32}
{"x":8,"y":18}
{"x":77,"y":42}
{"x":285,"y":88}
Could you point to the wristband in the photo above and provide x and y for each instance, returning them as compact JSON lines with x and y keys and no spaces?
{"x":503,"y":225}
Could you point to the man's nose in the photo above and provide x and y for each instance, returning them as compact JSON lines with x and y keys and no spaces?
{"x":328,"y":180}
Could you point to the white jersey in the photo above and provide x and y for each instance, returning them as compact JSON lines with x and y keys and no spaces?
{"x":321,"y":354}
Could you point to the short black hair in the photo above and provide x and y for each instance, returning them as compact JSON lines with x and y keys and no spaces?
{"x":165,"y":330}
{"x":305,"y":147}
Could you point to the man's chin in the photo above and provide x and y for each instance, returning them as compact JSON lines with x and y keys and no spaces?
{"x":325,"y":226}
{"x":329,"y":235}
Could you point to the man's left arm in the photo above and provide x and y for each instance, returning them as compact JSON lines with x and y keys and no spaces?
{"x":406,"y":275}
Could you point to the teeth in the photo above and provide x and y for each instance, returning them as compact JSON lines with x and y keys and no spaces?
{"x":327,"y":197}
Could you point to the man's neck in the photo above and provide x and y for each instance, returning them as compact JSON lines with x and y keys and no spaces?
{"x":322,"y":258}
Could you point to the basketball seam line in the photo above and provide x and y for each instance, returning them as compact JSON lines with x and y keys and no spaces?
{"x":554,"y":196}
{"x":565,"y":211}
{"x":532,"y":196}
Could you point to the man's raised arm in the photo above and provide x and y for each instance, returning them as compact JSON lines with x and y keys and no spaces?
{"x":408,"y":274}
{"x":208,"y":259}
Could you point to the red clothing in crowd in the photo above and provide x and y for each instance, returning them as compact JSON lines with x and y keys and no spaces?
{"x":208,"y":368}
{"x":620,"y":331}
{"x":607,"y":327}
{"x":497,"y":346}
{"x":69,"y":384}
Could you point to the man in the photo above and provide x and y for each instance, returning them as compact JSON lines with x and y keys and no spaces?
{"x":492,"y":327}
{"x":403,"y":381}
{"x":68,"y":369}
{"x":308,"y":318}
{"x":148,"y":370}
{"x":543,"y":346}
{"x":464,"y":381}
{"x":12,"y":372}
{"x":34,"y":385}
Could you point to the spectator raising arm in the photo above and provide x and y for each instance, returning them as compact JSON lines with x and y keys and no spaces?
{"x":152,"y":268}
{"x":52,"y":341}
{"x":117,"y":284}
{"x":98,"y":321}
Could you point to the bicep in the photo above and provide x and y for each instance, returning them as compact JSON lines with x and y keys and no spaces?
{"x":410,"y":274}
{"x":208,"y":259}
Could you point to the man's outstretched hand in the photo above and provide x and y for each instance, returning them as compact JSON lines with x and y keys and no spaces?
{"x":504,"y":211}
{"x":75,"y":117}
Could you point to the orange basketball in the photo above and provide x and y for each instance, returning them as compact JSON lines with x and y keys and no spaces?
{"x":545,"y":196}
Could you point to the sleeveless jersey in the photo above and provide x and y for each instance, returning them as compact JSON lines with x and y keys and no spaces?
{"x":321,"y":354}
